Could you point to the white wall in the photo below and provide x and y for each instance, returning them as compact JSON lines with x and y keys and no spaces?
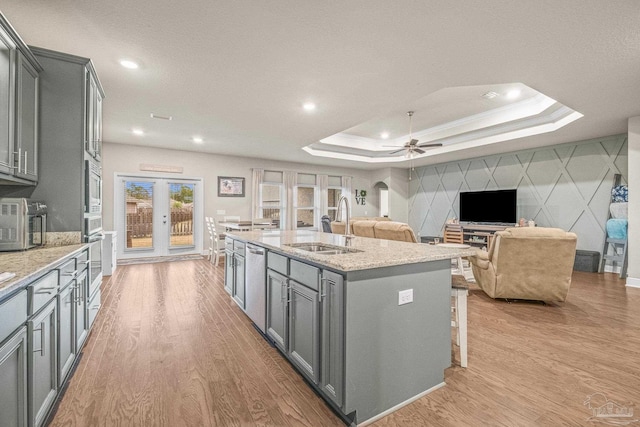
{"x":633,"y":271}
{"x":127,"y":159}
{"x":397,"y":181}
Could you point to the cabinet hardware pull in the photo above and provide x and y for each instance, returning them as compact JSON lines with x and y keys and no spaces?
{"x":323,"y":288}
{"x":282,"y":285}
{"x":19,"y":153}
{"x":96,"y":307}
{"x":45,"y":290}
{"x":70,"y":273}
{"x":25,"y":161}
{"x":41,"y":329}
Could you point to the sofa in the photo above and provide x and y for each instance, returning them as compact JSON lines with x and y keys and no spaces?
{"x":381,"y":229}
{"x":337,"y":227}
{"x":530,"y":263}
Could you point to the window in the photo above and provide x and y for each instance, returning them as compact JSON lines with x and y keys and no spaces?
{"x":305,"y":206}
{"x":334,"y":193}
{"x":272,"y":204}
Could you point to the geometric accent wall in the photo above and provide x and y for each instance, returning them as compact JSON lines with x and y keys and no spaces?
{"x":566,"y":186}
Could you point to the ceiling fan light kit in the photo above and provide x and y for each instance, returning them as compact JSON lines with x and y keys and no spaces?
{"x":412,"y":147}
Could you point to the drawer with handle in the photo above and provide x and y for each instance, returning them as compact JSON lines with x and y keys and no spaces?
{"x":13,"y":313}
{"x":67,"y":272}
{"x":42,"y":291}
{"x":82,"y":261}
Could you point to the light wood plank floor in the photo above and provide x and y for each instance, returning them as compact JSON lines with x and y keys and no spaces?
{"x":170,"y":348}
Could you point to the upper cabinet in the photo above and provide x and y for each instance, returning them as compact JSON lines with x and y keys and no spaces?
{"x":19,"y":104}
{"x":93,"y":120}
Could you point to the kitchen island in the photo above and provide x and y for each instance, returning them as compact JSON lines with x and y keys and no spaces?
{"x":366,"y":322}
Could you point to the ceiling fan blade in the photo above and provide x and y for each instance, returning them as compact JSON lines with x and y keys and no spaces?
{"x":417,"y":150}
{"x":397,"y":151}
{"x":394,"y":146}
{"x":430,"y":144}
{"x":412,"y":142}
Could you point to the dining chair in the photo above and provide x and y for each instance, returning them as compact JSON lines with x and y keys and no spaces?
{"x":216,"y":241}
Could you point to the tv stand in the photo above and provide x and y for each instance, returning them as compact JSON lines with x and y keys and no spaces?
{"x":481,"y":234}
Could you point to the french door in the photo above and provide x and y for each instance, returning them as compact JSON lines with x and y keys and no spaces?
{"x":158,"y":216}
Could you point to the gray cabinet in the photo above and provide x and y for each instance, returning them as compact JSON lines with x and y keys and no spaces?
{"x":304,"y":330}
{"x":238,"y":290}
{"x":19,"y":96}
{"x":7,"y":100}
{"x":332,"y":339}
{"x":26,"y":146}
{"x":72,"y":82}
{"x":66,"y":332}
{"x":13,"y":380}
{"x":228,"y":271}
{"x":42,"y":366}
{"x":80,"y":309}
{"x":234,"y":272}
{"x":93,"y":120}
{"x":277,"y":316}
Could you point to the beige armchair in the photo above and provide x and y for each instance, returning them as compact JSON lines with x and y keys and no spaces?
{"x":532,"y":263}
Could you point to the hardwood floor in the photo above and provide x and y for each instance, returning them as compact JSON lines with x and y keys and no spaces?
{"x":170,"y":348}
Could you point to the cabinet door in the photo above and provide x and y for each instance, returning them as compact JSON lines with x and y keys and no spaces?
{"x":66,"y":334}
{"x":228,"y":271}
{"x":42,"y":367}
{"x":277,"y":325}
{"x":239,"y":282}
{"x":97,"y":127}
{"x":7,"y":101}
{"x":13,"y":380}
{"x":27,"y":120}
{"x":332,"y":345}
{"x":304,"y":330}
{"x":90,"y":113}
{"x":79,"y":309}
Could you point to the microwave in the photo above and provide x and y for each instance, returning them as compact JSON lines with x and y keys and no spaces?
{"x":23,"y":224}
{"x":93,"y":187}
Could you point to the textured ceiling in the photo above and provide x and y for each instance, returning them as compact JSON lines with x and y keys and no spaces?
{"x":237,"y":72}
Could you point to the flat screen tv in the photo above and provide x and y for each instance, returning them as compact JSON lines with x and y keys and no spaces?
{"x":498,"y":206}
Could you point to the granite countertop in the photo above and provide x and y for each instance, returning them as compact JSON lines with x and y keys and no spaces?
{"x":30,"y":264}
{"x":375,"y":253}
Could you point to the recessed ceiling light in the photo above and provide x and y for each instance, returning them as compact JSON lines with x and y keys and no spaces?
{"x":309,"y":106}
{"x":384,"y":135}
{"x":128,"y":64}
{"x":138,"y":132}
{"x":513,"y":93}
{"x":197,"y":140}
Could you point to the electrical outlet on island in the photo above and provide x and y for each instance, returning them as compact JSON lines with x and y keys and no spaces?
{"x":405,"y":297}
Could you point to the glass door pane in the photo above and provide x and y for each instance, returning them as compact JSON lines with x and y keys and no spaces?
{"x":138,"y":214}
{"x":181,"y":214}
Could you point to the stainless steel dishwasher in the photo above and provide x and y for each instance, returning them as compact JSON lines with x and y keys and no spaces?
{"x":256,"y":286}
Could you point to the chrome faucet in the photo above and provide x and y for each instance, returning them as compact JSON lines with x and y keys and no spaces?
{"x":347,"y":235}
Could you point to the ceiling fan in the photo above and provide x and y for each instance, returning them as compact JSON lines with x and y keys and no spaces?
{"x":412,"y":146}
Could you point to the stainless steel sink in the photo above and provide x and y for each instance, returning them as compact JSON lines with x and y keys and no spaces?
{"x":322,"y":248}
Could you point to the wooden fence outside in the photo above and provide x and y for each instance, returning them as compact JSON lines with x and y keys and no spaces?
{"x":140,"y":223}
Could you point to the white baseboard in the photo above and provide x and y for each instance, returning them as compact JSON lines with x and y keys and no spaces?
{"x":633,"y":282}
{"x":400,"y":405}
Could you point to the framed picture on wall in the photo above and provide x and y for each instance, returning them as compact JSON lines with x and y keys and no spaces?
{"x":230,"y":186}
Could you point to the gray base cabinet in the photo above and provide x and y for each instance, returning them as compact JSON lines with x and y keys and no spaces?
{"x":13,"y":380}
{"x":66,"y":332}
{"x":43,"y":384}
{"x":80,"y":309}
{"x":238,"y":290}
{"x":277,"y":316}
{"x":304,"y":330}
{"x":228,"y":271}
{"x":332,"y":336}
